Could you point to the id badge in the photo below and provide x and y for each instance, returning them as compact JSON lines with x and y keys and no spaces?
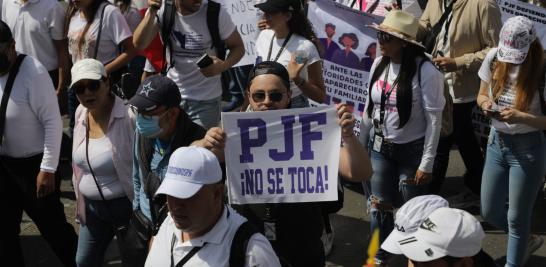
{"x":270,"y":231}
{"x":377,"y":143}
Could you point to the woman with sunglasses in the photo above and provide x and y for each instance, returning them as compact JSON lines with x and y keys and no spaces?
{"x":403,"y":117}
{"x":298,"y":225}
{"x":101,"y":161}
{"x":96,"y":29}
{"x":511,"y":94}
{"x":290,"y":40}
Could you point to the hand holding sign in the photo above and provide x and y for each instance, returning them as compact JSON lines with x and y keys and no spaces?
{"x":346,"y":121}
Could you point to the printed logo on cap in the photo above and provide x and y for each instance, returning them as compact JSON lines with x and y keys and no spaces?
{"x":146,"y":89}
{"x":179,"y":171}
{"x":428,"y":225}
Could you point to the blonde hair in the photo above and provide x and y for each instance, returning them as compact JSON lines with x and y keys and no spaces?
{"x":528,"y":78}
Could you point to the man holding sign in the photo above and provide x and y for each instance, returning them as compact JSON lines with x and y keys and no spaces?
{"x":294,"y":229}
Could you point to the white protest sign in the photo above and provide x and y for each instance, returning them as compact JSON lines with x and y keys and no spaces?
{"x":411,"y":6}
{"x":511,"y":8}
{"x":349,"y":52}
{"x":244,"y":16}
{"x":282,"y":156}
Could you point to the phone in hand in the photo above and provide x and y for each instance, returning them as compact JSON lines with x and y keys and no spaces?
{"x":494,"y":113}
{"x":204,"y":61}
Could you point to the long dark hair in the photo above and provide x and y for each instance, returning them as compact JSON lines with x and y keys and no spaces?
{"x":90,"y":13}
{"x":299,"y":24}
{"x":404,"y":92}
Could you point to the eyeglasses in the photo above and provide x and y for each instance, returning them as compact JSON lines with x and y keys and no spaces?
{"x":384,"y":37}
{"x":92,"y":86}
{"x":274,"y":96}
{"x":149,"y":116}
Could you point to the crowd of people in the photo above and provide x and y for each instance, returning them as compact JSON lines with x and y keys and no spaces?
{"x":142,"y":90}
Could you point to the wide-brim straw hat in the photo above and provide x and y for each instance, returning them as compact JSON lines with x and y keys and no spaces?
{"x":400,"y":24}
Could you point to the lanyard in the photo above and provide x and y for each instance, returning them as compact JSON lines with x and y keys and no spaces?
{"x":280,"y":50}
{"x":187,"y":257}
{"x":385,"y":95}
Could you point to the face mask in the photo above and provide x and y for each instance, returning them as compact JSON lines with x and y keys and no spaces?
{"x":148,"y":126}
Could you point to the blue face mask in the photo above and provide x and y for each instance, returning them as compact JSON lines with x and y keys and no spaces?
{"x":148,"y":126}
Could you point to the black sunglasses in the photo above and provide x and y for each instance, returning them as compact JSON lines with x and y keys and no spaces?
{"x":91,"y":85}
{"x":384,"y":37}
{"x":274,"y":96}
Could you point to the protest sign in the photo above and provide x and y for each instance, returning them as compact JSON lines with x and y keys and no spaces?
{"x":350,"y":49}
{"x":282,"y":156}
{"x":511,"y":8}
{"x":481,"y":124}
{"x":244,"y":16}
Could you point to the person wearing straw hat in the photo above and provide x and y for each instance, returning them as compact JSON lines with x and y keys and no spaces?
{"x":405,"y":103}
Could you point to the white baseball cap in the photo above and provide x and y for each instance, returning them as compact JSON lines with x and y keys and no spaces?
{"x":516,"y":37}
{"x":88,"y":68}
{"x":189,"y":169}
{"x":446,"y":232}
{"x":409,"y":217}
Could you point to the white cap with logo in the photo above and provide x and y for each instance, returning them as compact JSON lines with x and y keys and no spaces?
{"x":189,"y":169}
{"x":446,"y":232}
{"x":90,"y":69}
{"x":409,"y":217}
{"x":516,"y":37}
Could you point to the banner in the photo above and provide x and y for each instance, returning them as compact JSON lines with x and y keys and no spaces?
{"x":350,"y":49}
{"x":282,"y":156}
{"x":511,"y":8}
{"x":244,"y":16}
{"x":378,"y":6}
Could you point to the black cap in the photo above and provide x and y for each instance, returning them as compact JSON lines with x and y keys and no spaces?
{"x":5,"y":33}
{"x":270,"y":67}
{"x":156,"y":91}
{"x":279,"y":5}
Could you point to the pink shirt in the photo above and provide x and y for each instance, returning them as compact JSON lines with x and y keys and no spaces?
{"x":120,"y":132}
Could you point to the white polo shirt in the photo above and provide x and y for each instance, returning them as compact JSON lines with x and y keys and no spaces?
{"x":34,"y":26}
{"x":216,"y":245}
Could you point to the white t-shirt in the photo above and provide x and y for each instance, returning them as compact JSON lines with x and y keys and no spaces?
{"x":133,"y":18}
{"x":427,"y":97}
{"x":216,"y":251}
{"x":33,"y":121}
{"x":102,"y":162}
{"x":190,"y":39}
{"x":34,"y":26}
{"x":508,"y":97}
{"x":114,"y":31}
{"x":262,"y":50}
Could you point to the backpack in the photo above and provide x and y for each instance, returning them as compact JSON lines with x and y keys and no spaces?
{"x":447,"y":113}
{"x":541,"y":84}
{"x":213,"y":14}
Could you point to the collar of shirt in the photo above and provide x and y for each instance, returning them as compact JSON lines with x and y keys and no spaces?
{"x":119,"y":111}
{"x":215,"y":236}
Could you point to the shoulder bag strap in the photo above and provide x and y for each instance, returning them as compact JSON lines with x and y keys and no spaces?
{"x":98,"y":35}
{"x":213,"y":14}
{"x":7,"y":92}
{"x":169,"y":11}
{"x":438,"y":26}
{"x":239,"y":245}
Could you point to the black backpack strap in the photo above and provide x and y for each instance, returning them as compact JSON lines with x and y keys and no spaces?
{"x":237,"y":254}
{"x":100,"y":31}
{"x":213,"y":16}
{"x":7,"y":92}
{"x":169,"y":11}
{"x":419,"y":70}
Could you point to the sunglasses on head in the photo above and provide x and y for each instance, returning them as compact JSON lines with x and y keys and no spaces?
{"x":384,"y":37}
{"x":274,"y":96}
{"x":91,"y":85}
